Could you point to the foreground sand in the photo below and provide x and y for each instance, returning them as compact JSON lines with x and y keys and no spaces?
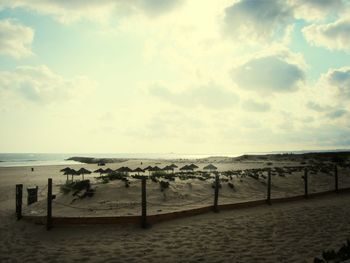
{"x":292,"y":232}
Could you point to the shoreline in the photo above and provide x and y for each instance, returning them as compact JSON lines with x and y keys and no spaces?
{"x":98,"y":158}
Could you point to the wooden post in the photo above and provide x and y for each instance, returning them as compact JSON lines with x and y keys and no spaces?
{"x":32,"y":195}
{"x":49,"y":205}
{"x":306,"y":184}
{"x":19,"y":194}
{"x":143,"y":204}
{"x":268,"y":199}
{"x":336,"y":178}
{"x":216,"y":195}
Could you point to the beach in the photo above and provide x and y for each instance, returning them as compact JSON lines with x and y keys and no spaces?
{"x":296,"y":231}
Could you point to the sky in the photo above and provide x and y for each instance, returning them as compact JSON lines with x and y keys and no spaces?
{"x":181,"y":76}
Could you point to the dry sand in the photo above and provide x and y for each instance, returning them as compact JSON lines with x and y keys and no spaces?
{"x":292,"y":232}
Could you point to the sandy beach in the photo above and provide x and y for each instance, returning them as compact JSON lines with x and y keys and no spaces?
{"x":292,"y":232}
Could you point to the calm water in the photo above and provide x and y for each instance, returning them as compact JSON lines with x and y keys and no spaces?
{"x":33,"y":159}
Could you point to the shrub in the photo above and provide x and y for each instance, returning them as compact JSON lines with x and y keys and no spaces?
{"x":78,"y":187}
{"x":163,"y":185}
{"x":159,"y":174}
{"x":331,"y":256}
{"x":116,"y":176}
{"x":231,"y":185}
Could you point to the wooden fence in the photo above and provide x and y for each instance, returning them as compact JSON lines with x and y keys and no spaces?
{"x":146,"y":220}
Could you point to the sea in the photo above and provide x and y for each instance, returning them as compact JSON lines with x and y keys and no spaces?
{"x":36,"y":159}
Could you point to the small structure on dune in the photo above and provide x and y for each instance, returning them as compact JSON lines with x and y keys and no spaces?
{"x":101,"y":163}
{"x":83,"y":171}
{"x":210,"y":167}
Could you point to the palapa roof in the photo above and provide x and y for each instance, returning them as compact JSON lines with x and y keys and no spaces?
{"x":193,"y":166}
{"x":156,"y":169}
{"x":123,"y":169}
{"x":71,"y":172}
{"x":167,"y":168}
{"x":186,"y":168}
{"x":83,"y":171}
{"x":66,"y":169}
{"x":210,"y":167}
{"x":148,"y":168}
{"x":108,"y":170}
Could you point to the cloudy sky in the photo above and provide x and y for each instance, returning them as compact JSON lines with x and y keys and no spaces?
{"x":183,"y":76}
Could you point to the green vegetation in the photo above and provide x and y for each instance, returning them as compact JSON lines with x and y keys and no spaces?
{"x":163,"y":185}
{"x":79,"y":188}
{"x":335,"y":257}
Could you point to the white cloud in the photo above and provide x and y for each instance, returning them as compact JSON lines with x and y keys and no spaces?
{"x":15,"y":39}
{"x":96,"y":10}
{"x":41,"y":85}
{"x":209,"y":96}
{"x":256,"y":19}
{"x":254,"y":106}
{"x":268,"y":73}
{"x":334,"y":36}
{"x":339,"y":81}
{"x":316,"y":9}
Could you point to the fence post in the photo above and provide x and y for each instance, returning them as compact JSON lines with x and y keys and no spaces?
{"x":216,"y":195}
{"x":144,"y":223}
{"x":336,"y":178}
{"x":19,"y":194}
{"x":32,"y":195}
{"x":49,"y":205}
{"x":268,"y":200}
{"x":306,"y":190}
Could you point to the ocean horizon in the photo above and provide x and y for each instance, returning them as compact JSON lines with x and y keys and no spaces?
{"x":37,"y":159}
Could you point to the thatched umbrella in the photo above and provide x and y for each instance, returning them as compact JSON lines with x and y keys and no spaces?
{"x":173,"y":165}
{"x":168,"y":168}
{"x":210,"y":167}
{"x":71,"y":172}
{"x":193,"y":166}
{"x":66,"y":171}
{"x":83,"y":171}
{"x":123,"y":169}
{"x":138,"y":170}
{"x":186,"y":168}
{"x":108,"y":171}
{"x":100,"y":171}
{"x":149,"y":169}
{"x":127,"y":170}
{"x":156,"y":169}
